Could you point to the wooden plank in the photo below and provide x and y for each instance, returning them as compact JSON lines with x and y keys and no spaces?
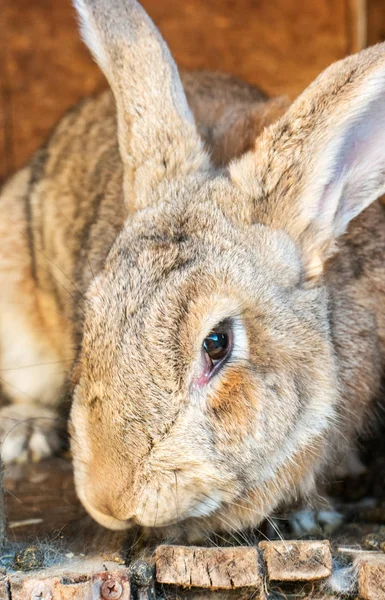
{"x":375,"y":21}
{"x":78,"y":581}
{"x":281,"y":46}
{"x":371,"y":576}
{"x":297,"y":560}
{"x":212,"y":568}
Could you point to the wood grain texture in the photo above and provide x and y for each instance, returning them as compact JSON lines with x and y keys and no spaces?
{"x":371,"y":576}
{"x":297,"y":560}
{"x":45,"y":68}
{"x":375,"y":10}
{"x":77,"y":581}
{"x":210,"y":568}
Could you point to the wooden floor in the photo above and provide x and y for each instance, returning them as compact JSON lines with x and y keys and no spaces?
{"x":56,"y":548}
{"x":280,"y":45}
{"x":41,"y":504}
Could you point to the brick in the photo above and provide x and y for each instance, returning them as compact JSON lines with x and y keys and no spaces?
{"x":297,"y":560}
{"x":371,"y":577}
{"x":213,"y":568}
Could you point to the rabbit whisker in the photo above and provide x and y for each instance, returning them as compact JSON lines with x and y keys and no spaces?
{"x":42,"y":364}
{"x":62,"y":272}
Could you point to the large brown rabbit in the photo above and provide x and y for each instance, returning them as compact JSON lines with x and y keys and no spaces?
{"x":230,"y":344}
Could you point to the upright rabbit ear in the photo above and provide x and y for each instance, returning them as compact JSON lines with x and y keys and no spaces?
{"x":156,"y":130}
{"x":323,"y":162}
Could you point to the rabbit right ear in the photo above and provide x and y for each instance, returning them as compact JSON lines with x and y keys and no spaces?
{"x":323,"y":162}
{"x":157,"y":135}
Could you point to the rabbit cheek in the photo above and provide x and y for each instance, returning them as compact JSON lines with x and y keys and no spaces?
{"x":300,"y":471}
{"x":233,"y":405}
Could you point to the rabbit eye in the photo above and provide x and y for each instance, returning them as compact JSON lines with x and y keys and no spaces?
{"x":217,"y":345}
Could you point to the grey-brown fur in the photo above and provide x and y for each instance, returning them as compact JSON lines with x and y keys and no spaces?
{"x":126,"y":236}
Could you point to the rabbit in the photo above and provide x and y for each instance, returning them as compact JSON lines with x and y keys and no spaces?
{"x":216,"y":285}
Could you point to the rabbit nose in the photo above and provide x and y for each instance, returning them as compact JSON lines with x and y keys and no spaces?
{"x":106,"y":517}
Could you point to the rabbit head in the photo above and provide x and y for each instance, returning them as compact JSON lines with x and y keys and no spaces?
{"x":207,"y":381}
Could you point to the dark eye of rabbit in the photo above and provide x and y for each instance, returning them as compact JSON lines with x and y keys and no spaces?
{"x":217,"y":345}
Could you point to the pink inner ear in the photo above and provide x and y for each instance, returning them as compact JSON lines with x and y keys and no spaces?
{"x":355,"y":169}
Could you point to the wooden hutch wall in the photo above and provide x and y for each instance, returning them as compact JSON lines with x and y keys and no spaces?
{"x":281,"y":45}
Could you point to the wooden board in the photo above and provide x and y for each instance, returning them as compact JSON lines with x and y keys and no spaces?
{"x":45,"y":68}
{"x":375,"y":10}
{"x":281,"y":46}
{"x":41,"y":504}
{"x":212,"y":568}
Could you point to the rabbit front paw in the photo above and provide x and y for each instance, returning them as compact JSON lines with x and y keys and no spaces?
{"x":27,"y":432}
{"x":308,"y":522}
{"x":305,"y":522}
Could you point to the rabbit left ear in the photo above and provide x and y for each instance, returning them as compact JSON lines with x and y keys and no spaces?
{"x":323,"y":162}
{"x":157,"y":135}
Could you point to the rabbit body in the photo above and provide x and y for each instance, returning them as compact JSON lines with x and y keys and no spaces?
{"x":124,"y":245}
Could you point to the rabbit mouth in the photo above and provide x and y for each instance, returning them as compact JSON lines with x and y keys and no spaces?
{"x":203,"y":508}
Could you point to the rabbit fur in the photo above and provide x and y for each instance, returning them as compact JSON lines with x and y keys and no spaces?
{"x":157,"y":211}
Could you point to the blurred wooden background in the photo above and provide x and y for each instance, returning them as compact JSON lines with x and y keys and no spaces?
{"x":280,"y":45}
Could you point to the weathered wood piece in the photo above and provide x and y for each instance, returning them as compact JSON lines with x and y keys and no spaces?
{"x":371,"y":576}
{"x":214,"y":568}
{"x":297,"y":560}
{"x":77,"y":582}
